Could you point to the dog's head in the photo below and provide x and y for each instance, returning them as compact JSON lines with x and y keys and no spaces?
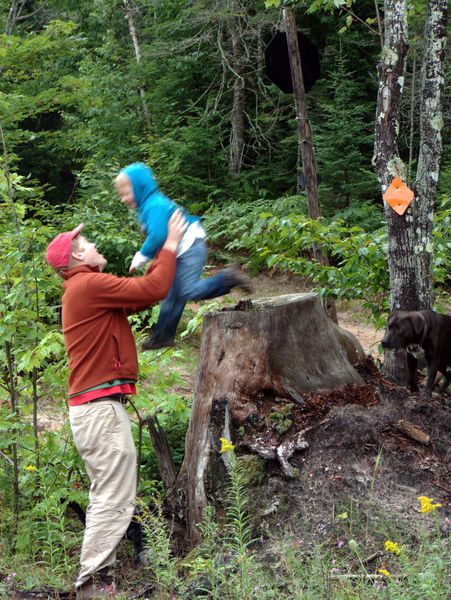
{"x":403,"y":328}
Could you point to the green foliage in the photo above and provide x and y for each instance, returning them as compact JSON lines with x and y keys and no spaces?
{"x":281,"y":237}
{"x":71,"y":112}
{"x":281,"y":418}
{"x":162,"y":565}
{"x":344,"y":141}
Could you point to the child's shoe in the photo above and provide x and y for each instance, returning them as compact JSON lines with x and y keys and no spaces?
{"x":151,"y":344}
{"x":236,"y":278}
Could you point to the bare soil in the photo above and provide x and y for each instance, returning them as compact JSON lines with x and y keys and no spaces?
{"x":356,"y":455}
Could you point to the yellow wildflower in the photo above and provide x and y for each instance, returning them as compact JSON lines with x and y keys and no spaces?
{"x":31,"y":468}
{"x":392,"y":547}
{"x":427,"y":504}
{"x":226,"y":446}
{"x":384,"y":572}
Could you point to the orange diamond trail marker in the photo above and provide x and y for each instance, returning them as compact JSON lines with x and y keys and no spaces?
{"x":398,"y":196}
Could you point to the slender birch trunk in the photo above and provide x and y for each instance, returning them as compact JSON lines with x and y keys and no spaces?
{"x":238,"y":121}
{"x":430,"y":151}
{"x":387,"y":163}
{"x":137,"y":49}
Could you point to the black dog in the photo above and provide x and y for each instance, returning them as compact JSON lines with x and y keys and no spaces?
{"x":429,"y":330}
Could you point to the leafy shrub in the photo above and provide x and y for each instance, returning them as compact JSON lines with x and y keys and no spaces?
{"x":282,"y":237}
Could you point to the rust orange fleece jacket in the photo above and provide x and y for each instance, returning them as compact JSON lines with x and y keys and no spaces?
{"x":99,"y":341}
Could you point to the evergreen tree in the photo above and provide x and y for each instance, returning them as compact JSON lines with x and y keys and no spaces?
{"x":343,"y":140}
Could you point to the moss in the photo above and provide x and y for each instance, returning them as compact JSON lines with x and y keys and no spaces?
{"x":389,"y":56}
{"x":397,"y":168}
{"x":437,"y":122}
{"x":253,"y":469}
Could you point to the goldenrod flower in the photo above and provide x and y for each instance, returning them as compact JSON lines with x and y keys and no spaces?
{"x":31,"y":468}
{"x":427,"y":504}
{"x":392,"y":547}
{"x":384,"y":572}
{"x":226,"y":446}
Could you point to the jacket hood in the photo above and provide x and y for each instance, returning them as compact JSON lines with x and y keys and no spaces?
{"x":143,"y":181}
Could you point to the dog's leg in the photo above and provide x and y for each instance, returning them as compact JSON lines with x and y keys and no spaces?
{"x":432,"y":373}
{"x":412,"y":365}
{"x":446,"y":381}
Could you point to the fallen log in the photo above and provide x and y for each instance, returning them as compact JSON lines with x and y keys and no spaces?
{"x":413,"y":432}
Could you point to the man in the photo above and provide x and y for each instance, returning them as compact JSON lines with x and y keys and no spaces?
{"x":103,"y":372}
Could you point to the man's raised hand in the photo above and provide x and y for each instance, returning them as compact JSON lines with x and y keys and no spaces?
{"x":176,"y":228}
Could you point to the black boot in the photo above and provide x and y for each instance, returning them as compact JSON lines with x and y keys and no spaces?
{"x":151,"y":344}
{"x":236,"y":278}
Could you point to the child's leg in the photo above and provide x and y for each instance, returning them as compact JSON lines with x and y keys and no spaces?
{"x":188,"y":285}
{"x":188,"y":271}
{"x":192,"y":287}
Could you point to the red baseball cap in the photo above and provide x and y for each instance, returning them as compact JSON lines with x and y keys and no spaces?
{"x":58,"y":251}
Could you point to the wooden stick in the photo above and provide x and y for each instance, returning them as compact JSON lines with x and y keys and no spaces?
{"x":413,"y":431}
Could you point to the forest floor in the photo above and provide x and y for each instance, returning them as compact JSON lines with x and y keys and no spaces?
{"x":360,"y":462}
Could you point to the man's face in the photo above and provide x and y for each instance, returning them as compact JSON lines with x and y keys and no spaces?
{"x":87,"y":253}
{"x":124,"y":188}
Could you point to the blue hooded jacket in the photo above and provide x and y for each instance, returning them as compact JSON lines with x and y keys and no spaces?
{"x":154,"y":208}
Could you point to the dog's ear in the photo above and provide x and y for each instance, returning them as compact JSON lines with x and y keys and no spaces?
{"x":417,"y":323}
{"x":392,"y":318}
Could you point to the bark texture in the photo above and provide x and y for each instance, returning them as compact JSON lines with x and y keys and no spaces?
{"x":305,"y":134}
{"x":304,"y":129}
{"x":410,"y":235}
{"x":431,"y":124}
{"x":163,"y":453}
{"x":386,"y":159}
{"x":387,"y":163}
{"x":283,"y":347}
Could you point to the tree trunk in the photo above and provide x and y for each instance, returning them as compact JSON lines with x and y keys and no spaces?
{"x":304,"y":130}
{"x":305,"y":134}
{"x":163,"y":453}
{"x":283,"y":347}
{"x":237,"y":136}
{"x":412,"y":117}
{"x":401,"y":263}
{"x":410,"y":235}
{"x":15,"y":14}
{"x":431,"y":123}
{"x":134,"y":37}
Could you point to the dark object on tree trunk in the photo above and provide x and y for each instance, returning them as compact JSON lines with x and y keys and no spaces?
{"x":286,"y":347}
{"x":278,"y":63}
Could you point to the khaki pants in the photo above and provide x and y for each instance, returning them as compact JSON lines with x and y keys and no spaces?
{"x":103,"y":438}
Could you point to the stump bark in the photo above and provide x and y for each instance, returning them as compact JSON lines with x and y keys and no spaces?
{"x":285,"y":347}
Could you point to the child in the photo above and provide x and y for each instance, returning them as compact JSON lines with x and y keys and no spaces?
{"x":138,"y":189}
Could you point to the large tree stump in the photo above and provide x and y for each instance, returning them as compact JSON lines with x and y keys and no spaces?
{"x":285,"y":346}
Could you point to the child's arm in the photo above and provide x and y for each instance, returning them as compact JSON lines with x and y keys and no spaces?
{"x":156,"y":224}
{"x":138,"y":261}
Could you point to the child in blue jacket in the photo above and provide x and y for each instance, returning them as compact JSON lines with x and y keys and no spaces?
{"x":137,"y":188}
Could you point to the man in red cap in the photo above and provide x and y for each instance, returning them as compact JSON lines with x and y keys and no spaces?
{"x":103,"y":372}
